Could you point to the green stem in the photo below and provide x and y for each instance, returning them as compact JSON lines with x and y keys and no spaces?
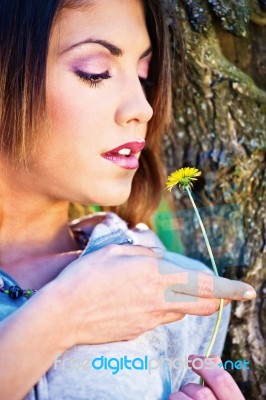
{"x":204,"y":232}
{"x":218,"y":320}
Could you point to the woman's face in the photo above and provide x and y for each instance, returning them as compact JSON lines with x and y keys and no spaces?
{"x":97,"y":57}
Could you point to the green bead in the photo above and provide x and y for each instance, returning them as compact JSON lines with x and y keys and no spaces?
{"x":6,"y":291}
{"x":29,"y":291}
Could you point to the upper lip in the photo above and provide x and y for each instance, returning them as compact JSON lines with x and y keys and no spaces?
{"x":135,"y":147}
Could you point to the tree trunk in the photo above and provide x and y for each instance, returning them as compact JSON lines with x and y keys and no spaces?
{"x":221,"y":129}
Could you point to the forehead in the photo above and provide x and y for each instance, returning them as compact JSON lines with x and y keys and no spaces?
{"x":122,"y":20}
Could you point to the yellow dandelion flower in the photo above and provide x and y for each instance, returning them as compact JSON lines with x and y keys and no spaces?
{"x":183,"y":177}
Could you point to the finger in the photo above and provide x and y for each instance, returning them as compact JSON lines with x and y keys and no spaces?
{"x":144,"y":236}
{"x":179,"y":396}
{"x":191,"y":304}
{"x":169,"y":317}
{"x":156,"y":251}
{"x":198,"y":392}
{"x":218,"y":380}
{"x":134,"y":250}
{"x":202,"y":284}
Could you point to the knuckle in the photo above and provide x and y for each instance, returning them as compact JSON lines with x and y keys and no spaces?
{"x":156,"y":318}
{"x":223,"y":379}
{"x":209,"y":308}
{"x":170,"y":317}
{"x":205,"y":288}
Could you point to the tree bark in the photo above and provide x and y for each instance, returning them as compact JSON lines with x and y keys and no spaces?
{"x":220,"y":127}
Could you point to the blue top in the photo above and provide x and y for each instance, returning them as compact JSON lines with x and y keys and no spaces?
{"x":149,"y":367}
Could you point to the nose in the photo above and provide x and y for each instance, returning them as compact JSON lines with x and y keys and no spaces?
{"x":133,"y":105}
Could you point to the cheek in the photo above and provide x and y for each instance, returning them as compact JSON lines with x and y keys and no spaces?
{"x":66,"y":111}
{"x":76,"y":109}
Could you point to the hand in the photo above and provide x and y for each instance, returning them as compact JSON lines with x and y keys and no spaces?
{"x":219,"y":385}
{"x":117,"y":293}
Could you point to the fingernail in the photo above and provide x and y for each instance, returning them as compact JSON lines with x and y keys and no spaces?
{"x":249,"y":294}
{"x":158,"y":251}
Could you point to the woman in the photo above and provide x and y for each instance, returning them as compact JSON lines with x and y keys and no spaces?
{"x":76,"y":111}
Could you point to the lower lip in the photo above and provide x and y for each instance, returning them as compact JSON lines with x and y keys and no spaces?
{"x":129,"y":162}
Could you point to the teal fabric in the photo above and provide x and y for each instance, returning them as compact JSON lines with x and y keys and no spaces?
{"x":7,"y":305}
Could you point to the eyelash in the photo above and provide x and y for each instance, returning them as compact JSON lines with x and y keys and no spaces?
{"x":94,"y":80}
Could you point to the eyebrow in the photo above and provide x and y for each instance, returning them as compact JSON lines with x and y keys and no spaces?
{"x":114,"y":50}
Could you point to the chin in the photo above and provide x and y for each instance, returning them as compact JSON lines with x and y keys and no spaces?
{"x":115,"y":198}
{"x":109,"y":193}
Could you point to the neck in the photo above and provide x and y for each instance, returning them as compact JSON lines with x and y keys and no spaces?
{"x":28,"y":233}
{"x":32,"y":229}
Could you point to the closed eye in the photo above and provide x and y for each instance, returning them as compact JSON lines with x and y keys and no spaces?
{"x":93,"y":79}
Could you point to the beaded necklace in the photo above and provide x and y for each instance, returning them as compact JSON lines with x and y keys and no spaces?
{"x":15,"y":292}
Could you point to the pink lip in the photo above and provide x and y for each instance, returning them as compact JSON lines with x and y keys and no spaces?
{"x":127,"y":162}
{"x":135,"y":147}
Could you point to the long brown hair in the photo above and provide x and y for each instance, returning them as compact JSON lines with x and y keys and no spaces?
{"x":25,"y":28}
